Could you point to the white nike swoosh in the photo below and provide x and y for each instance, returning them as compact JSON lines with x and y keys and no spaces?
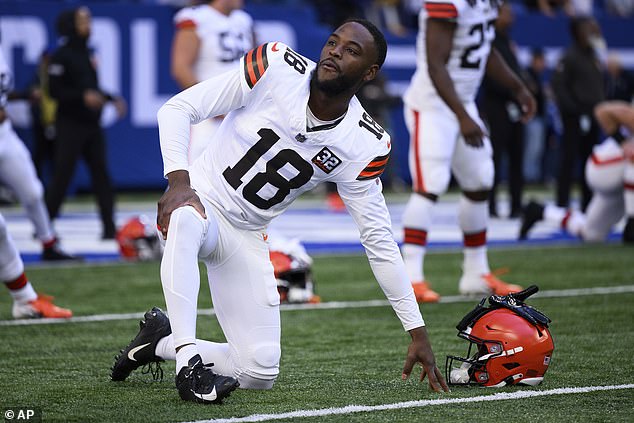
{"x":208,"y":397}
{"x":134,"y":350}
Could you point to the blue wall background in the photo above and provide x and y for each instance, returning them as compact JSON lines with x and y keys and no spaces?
{"x":133,"y":44}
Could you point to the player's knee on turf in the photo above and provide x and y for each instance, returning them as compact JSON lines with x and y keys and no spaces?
{"x":260,"y":368}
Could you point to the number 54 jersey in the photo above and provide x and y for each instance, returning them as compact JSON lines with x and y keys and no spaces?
{"x":263,"y":156}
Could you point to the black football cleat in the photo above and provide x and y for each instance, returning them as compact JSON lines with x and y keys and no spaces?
{"x":140,"y":351}
{"x":55,"y":253}
{"x":196,"y":382}
{"x":532,"y":213}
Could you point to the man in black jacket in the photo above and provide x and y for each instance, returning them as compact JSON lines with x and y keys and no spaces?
{"x":578,"y":86}
{"x":503,"y":116}
{"x":73,"y":83}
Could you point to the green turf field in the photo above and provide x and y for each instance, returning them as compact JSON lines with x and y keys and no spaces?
{"x":330,"y":358}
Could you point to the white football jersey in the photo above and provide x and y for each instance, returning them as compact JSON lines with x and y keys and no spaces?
{"x":223,"y":39}
{"x":271,"y":157}
{"x":263,"y":157}
{"x":472,"y":40}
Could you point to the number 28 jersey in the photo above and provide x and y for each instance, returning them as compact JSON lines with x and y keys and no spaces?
{"x":474,"y":33}
{"x":263,"y":156}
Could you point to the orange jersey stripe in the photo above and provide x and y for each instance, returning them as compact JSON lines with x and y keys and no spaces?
{"x":441,"y":10}
{"x":375,"y":168}
{"x":378,"y":163}
{"x":442,"y":15}
{"x":186,"y":24}
{"x":250,"y":71}
{"x":259,"y":61}
{"x":255,"y":64}
{"x":597,"y":161}
{"x":368,"y":174}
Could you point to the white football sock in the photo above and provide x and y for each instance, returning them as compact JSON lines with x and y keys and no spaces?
{"x":184,"y":355}
{"x":24,"y":295}
{"x":473,"y":217}
{"x":210,"y":352}
{"x":418,"y":216}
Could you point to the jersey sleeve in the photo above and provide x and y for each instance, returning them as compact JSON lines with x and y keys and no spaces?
{"x":213,"y":97}
{"x":378,"y":163}
{"x":375,"y":168}
{"x":442,"y":9}
{"x":366,"y":204}
{"x":186,"y":19}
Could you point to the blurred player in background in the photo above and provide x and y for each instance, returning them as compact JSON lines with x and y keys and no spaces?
{"x":73,"y":83}
{"x":18,"y":173}
{"x":291,"y":125}
{"x":26,"y":302}
{"x":210,"y":39}
{"x":447,"y":135}
{"x":610,"y":174}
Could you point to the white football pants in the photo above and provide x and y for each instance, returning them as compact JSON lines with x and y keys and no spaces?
{"x":243,"y":290}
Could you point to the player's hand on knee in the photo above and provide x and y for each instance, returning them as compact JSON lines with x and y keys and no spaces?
{"x":178,"y":194}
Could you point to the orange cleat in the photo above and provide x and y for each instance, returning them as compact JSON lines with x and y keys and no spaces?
{"x":424,"y":294}
{"x":499,"y":287}
{"x":486,"y":284}
{"x":42,"y":306}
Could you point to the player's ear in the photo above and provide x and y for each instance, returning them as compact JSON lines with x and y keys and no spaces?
{"x":371,"y":73}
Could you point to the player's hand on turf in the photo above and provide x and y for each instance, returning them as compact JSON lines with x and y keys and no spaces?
{"x":419,"y":351}
{"x":471,"y":131}
{"x":179,"y":193}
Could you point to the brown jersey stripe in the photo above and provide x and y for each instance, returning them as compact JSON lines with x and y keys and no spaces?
{"x":255,"y":64}
{"x":375,"y":168}
{"x":369,"y":175}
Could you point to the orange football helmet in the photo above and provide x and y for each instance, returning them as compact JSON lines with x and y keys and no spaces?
{"x":292,"y":268}
{"x":509,"y":344}
{"x":138,"y":240}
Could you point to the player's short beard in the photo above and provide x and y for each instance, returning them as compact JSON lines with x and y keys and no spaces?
{"x":333,"y":87}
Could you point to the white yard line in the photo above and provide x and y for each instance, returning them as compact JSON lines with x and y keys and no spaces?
{"x":502,"y":396}
{"x":331,"y":305}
